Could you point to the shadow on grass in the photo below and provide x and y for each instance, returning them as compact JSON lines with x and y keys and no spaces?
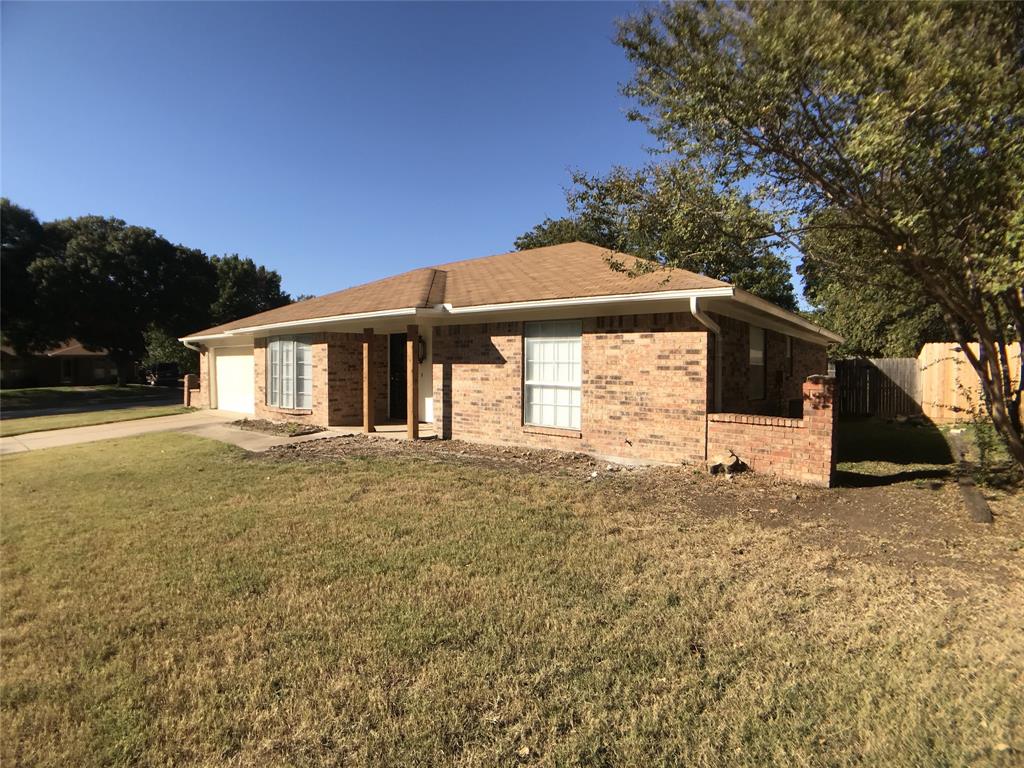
{"x":43,"y":401}
{"x":870,"y":452}
{"x":846,"y":478}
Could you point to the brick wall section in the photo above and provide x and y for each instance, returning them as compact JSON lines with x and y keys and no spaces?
{"x":202,"y":399}
{"x":191,"y":387}
{"x":784,"y":378}
{"x":795,"y":449}
{"x":320,"y":413}
{"x":337,"y":381}
{"x":644,"y":387}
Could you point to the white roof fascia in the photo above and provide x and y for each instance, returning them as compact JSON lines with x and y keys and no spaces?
{"x":210,"y":337}
{"x":756,"y":302}
{"x":804,"y":328}
{"x":404,"y":312}
{"x":584,"y":301}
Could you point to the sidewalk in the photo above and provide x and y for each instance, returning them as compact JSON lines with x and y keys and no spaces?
{"x":212,"y":424}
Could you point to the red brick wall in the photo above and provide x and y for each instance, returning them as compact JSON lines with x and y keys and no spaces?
{"x":796,"y":449}
{"x":337,"y":381}
{"x":784,"y":378}
{"x":644,"y":387}
{"x":203,"y":399}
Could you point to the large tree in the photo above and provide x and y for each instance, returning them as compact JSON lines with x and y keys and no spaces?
{"x":21,"y":238}
{"x":105,"y":283}
{"x":879,"y":310}
{"x":671,"y":215}
{"x":243,"y":288}
{"x":908,"y":118}
{"x":117,"y":287}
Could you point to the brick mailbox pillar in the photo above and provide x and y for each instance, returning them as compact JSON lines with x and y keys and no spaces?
{"x":820,"y":421}
{"x":191,"y":382}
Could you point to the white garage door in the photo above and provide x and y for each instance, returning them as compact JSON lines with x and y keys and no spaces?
{"x":235,"y":380}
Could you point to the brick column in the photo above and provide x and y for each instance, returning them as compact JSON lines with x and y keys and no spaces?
{"x":368,"y":380}
{"x":820,"y":416}
{"x":191,"y":382}
{"x":412,"y":380}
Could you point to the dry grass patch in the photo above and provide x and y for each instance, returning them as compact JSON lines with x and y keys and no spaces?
{"x":169,"y":600}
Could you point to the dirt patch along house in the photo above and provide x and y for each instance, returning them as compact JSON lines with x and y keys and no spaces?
{"x":545,"y":348}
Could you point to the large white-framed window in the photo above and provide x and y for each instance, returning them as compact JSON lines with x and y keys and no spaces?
{"x":758,"y":371}
{"x":552,"y":374}
{"x":290,"y":372}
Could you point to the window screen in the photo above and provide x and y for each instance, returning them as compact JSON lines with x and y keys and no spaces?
{"x":552,"y":374}
{"x":757,"y":364}
{"x":290,"y":372}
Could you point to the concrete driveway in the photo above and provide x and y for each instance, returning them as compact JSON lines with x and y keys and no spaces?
{"x":212,"y":424}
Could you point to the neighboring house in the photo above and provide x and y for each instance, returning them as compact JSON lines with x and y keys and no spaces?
{"x":546,"y":348}
{"x":70,"y":364}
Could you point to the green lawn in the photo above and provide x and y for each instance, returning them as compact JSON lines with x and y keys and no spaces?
{"x":15,"y":426}
{"x":169,"y":600}
{"x":58,"y":397}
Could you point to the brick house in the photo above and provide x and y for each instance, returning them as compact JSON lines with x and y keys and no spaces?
{"x":69,"y":364}
{"x":546,"y":348}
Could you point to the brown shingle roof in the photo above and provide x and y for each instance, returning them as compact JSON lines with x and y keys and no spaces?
{"x":570,"y":270}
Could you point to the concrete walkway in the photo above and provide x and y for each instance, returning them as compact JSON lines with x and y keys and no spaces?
{"x":213,"y":424}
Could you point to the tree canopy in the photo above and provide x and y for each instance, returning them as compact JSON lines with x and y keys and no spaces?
{"x":671,"y":215}
{"x":118,"y":287}
{"x":879,"y":310}
{"x":243,"y":288}
{"x":906,"y":119}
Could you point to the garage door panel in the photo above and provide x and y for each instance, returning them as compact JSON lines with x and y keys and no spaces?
{"x":236,"y":380}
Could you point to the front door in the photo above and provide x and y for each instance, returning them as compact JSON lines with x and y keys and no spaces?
{"x":396,"y":376}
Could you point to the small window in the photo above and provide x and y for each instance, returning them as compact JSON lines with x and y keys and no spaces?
{"x":290,"y":372}
{"x":552,"y":373}
{"x":758,"y":370}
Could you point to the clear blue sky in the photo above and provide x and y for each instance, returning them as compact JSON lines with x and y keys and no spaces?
{"x":334,"y":142}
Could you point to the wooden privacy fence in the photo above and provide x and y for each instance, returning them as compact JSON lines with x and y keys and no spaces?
{"x":948,"y":385}
{"x":877,"y":386}
{"x":939,"y":384}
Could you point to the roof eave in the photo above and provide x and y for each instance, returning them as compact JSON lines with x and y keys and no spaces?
{"x":583,"y":301}
{"x":727,"y":292}
{"x":756,"y":302}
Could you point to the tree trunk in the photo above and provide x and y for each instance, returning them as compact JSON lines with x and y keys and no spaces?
{"x":1002,"y":404}
{"x":124,"y":372}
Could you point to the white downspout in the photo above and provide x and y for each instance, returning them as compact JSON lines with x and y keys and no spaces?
{"x":712,"y":326}
{"x":211,"y":373}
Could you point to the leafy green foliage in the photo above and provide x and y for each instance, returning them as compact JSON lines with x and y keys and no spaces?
{"x":244,"y":289}
{"x":21,"y":238}
{"x":163,"y":347}
{"x":907,"y":118}
{"x":568,"y":230}
{"x":119,"y":287}
{"x":107,"y":282}
{"x":879,"y":310}
{"x":672,"y":216}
